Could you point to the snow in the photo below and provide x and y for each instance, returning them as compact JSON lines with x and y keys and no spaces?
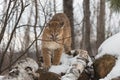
{"x":1,"y":77}
{"x":69,"y":77}
{"x":59,"y":69}
{"x":111,"y":46}
{"x":72,"y":65}
{"x":67,"y":66}
{"x":65,"y":60}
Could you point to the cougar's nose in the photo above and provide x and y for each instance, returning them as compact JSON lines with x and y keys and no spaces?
{"x":53,"y":37}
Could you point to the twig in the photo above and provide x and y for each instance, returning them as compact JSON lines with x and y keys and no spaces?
{"x":27,"y":25}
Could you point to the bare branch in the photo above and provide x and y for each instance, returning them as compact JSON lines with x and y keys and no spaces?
{"x":27,"y":25}
{"x":15,"y":26}
{"x":5,"y":22}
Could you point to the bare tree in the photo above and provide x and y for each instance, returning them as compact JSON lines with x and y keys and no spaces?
{"x":5,"y":21}
{"x":27,"y":32}
{"x":54,"y":2}
{"x":101,"y":23}
{"x":36,"y":43}
{"x":7,"y":18}
{"x":14,"y":16}
{"x":68,"y":10}
{"x":86,"y":26}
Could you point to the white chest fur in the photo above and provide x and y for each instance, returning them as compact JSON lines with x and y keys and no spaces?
{"x":52,"y":45}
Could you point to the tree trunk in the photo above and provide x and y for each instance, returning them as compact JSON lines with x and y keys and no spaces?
{"x":54,"y":3}
{"x":27,"y":34}
{"x":68,"y":10}
{"x":35,"y":32}
{"x":101,"y":24}
{"x":86,"y":26}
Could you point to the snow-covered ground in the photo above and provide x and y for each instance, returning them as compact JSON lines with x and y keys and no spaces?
{"x":111,"y":46}
{"x":72,"y":66}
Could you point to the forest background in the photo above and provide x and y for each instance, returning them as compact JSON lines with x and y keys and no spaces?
{"x":22,"y":23}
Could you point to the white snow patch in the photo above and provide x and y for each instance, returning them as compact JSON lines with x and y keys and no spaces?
{"x":110,"y":46}
{"x":59,"y":69}
{"x":1,"y":77}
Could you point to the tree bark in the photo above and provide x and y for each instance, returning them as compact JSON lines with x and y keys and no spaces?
{"x":101,"y":24}
{"x":86,"y":26}
{"x":68,"y":10}
{"x":35,"y":32}
{"x":5,"y":22}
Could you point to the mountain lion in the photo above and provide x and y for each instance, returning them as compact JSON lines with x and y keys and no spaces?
{"x":56,"y":37}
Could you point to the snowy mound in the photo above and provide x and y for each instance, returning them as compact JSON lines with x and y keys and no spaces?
{"x":110,"y":46}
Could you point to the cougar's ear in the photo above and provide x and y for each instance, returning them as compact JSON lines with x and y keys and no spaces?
{"x":61,"y":24}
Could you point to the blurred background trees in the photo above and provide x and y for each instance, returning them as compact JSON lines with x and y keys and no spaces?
{"x":22,"y":23}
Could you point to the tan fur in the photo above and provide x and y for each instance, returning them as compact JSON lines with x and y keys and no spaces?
{"x":47,"y":75}
{"x":103,"y":65}
{"x":56,"y":38}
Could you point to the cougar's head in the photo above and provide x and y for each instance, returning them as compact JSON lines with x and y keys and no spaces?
{"x":54,"y":30}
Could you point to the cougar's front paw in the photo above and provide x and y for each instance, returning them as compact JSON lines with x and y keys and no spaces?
{"x":46,"y":67}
